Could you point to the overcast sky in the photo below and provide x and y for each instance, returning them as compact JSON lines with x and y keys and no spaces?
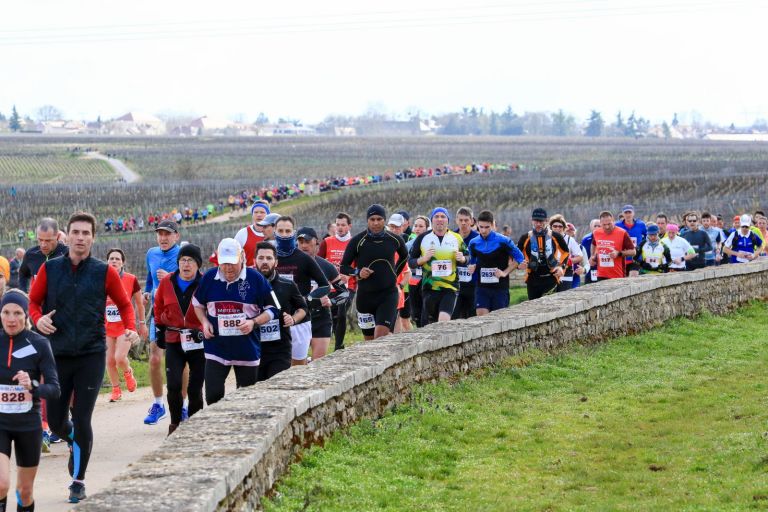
{"x":308,"y":59}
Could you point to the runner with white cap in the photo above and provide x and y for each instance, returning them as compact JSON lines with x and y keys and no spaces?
{"x":231,"y":302}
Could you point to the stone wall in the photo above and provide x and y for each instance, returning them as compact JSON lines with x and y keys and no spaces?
{"x":231,"y":454}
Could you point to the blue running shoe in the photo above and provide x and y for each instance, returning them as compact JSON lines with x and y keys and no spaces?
{"x":156,"y":413}
{"x":54,"y":438}
{"x":76,"y":492}
{"x":184,"y":414}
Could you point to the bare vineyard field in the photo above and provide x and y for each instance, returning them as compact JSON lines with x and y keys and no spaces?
{"x":272,"y":160}
{"x":49,"y":167}
{"x":512,"y":197}
{"x":577,"y":177}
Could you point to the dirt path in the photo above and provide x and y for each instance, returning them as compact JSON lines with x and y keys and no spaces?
{"x":123,"y":170}
{"x":120,"y":438}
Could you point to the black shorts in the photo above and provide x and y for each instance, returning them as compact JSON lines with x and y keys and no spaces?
{"x":26,"y":443}
{"x":322,"y":323}
{"x":381,"y":305}
{"x":436,"y":302}
{"x":632,"y":266}
{"x":405,"y":311}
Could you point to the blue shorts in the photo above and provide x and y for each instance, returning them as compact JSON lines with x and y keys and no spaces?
{"x":491,"y":298}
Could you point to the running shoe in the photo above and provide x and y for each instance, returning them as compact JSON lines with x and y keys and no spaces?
{"x":116,"y":394}
{"x":76,"y":492}
{"x":54,"y":438}
{"x":184,"y":414}
{"x":156,"y":413}
{"x":46,"y":447}
{"x":130,"y":381}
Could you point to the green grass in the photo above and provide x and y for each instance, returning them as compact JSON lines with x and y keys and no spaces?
{"x":673,"y":419}
{"x":517,"y":294}
{"x":140,"y":371}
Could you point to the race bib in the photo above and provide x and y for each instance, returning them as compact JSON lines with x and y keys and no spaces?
{"x":593,"y":275}
{"x":287,"y":276}
{"x":229,"y":325}
{"x":366,"y":321}
{"x":270,"y":331}
{"x":653,"y":261}
{"x":634,"y":240}
{"x":442,"y":268}
{"x":416,"y":272}
{"x":113,"y":314}
{"x":605,"y":260}
{"x":488,"y":276}
{"x":464,"y":274}
{"x":14,"y":399}
{"x":188,"y":342}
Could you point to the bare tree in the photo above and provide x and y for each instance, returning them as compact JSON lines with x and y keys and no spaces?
{"x":49,"y":113}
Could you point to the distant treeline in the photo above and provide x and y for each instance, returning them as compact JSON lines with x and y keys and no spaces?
{"x":478,"y":121}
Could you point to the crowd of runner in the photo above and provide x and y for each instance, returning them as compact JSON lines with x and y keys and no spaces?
{"x":190,"y":214}
{"x":275,"y":294}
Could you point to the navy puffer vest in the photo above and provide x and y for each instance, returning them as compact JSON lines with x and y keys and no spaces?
{"x":79,"y":298}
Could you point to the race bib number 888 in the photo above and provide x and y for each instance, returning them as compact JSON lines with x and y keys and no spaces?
{"x":229,"y":325}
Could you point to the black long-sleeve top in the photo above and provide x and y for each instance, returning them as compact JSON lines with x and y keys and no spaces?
{"x":291,"y":300}
{"x":30,"y":352}
{"x":33,"y":260}
{"x":377,"y":253}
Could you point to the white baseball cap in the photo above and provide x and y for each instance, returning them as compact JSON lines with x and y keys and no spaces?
{"x":396,"y":220}
{"x":746,"y":220}
{"x":229,"y":251}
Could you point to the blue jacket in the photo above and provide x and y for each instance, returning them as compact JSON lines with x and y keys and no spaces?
{"x":493,"y":252}
{"x":160,"y":259}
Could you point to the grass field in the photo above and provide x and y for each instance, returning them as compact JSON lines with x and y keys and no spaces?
{"x":673,"y":419}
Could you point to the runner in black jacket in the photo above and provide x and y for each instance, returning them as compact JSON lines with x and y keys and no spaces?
{"x":48,"y":248}
{"x":276,"y":334}
{"x":28,"y":360}
{"x":370,"y":256}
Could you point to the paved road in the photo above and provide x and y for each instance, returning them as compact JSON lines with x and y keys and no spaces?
{"x":120,"y":438}
{"x":123,"y":170}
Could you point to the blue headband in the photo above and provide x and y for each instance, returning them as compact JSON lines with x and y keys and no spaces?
{"x":260,"y":205}
{"x":15,"y":297}
{"x":439,"y":209}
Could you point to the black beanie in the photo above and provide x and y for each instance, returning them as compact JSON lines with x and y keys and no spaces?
{"x":191,"y":251}
{"x":376,"y":209}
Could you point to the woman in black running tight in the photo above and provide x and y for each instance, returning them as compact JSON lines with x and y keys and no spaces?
{"x":27,"y":360}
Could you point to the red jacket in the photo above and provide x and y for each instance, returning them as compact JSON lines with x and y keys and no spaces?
{"x":169,"y":301}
